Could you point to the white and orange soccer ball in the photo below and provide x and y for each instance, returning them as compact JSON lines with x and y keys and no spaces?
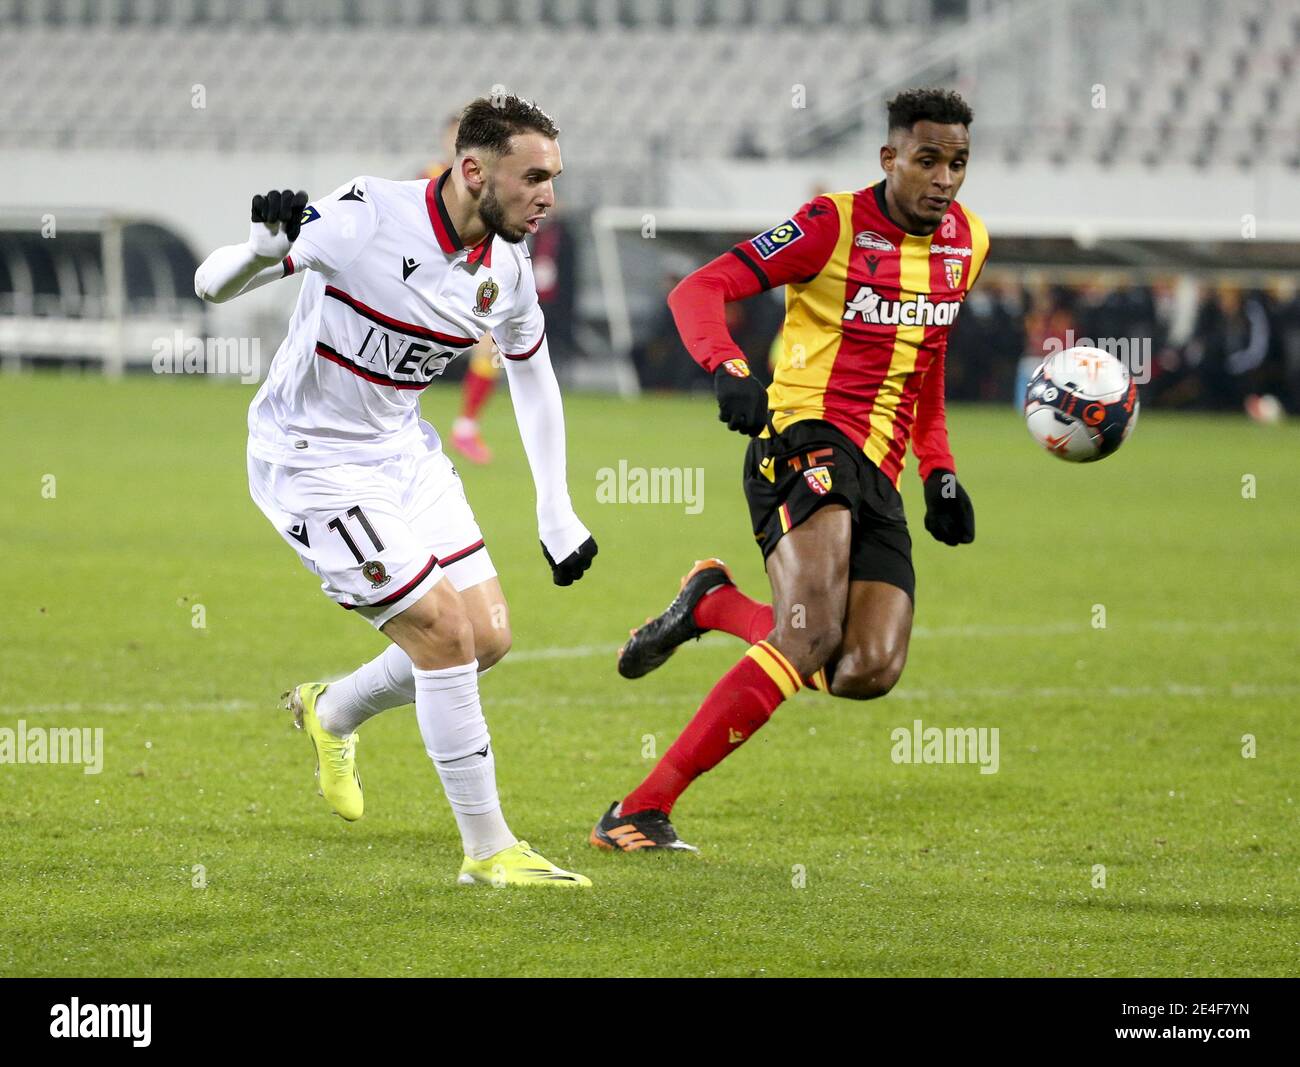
{"x":1081,"y":404}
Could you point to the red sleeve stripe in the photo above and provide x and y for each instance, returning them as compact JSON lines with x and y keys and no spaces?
{"x":378,"y":317}
{"x":530,"y":352}
{"x":288,"y":266}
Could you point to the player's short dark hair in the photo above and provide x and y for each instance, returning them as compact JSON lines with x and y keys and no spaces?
{"x":490,"y":121}
{"x":928,"y":105}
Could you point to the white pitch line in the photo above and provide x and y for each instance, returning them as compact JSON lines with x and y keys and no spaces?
{"x":641,"y":697}
{"x":1122,"y":692}
{"x":527,"y":655}
{"x":533,"y":655}
{"x":122,"y":707}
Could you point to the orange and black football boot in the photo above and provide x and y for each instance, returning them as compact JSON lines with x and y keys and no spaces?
{"x":641,"y":830}
{"x":650,"y":646}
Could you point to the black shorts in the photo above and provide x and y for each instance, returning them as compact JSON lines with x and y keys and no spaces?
{"x":790,"y":476}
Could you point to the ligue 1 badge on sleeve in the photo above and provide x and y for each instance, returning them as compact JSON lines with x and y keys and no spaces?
{"x":770,"y":242}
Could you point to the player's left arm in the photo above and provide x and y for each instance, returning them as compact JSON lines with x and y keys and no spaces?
{"x":566,"y":543}
{"x":949,"y":513}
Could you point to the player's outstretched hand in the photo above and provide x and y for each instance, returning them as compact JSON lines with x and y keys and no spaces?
{"x":949,"y":513}
{"x":742,"y":400}
{"x":574,"y":565}
{"x":277,"y":218}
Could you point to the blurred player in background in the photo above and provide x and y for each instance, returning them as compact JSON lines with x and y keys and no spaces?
{"x":484,"y":360}
{"x":401,"y":277}
{"x":874,"y":280}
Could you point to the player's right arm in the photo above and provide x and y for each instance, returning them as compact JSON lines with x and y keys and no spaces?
{"x":793,"y":251}
{"x":235,"y":269}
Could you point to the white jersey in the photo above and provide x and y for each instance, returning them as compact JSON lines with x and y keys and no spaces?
{"x":391,"y":296}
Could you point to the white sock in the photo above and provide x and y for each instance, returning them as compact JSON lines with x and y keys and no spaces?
{"x":464,"y":425}
{"x":456,"y":738}
{"x":385,"y":682}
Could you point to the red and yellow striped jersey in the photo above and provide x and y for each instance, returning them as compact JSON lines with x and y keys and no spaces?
{"x":868,"y":308}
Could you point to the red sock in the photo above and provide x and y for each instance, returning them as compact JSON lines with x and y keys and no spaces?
{"x":727,"y":609}
{"x":474,"y":393}
{"x":741,"y":702}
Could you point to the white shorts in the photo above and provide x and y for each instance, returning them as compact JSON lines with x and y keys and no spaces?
{"x":379,"y":535}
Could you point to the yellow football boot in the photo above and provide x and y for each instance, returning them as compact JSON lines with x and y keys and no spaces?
{"x":518,"y":865}
{"x":337,"y":777}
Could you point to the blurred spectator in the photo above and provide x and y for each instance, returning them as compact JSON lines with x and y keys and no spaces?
{"x":986,"y":343}
{"x":1049,"y":326}
{"x":555,"y":266}
{"x":661,"y":360}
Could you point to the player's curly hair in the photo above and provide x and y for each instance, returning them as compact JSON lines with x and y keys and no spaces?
{"x":490,"y":121}
{"x":928,"y":105}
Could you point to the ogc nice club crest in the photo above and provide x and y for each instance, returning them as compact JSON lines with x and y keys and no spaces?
{"x":486,"y":296}
{"x":375,"y":573}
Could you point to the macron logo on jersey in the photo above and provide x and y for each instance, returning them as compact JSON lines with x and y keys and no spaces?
{"x":919,"y":311}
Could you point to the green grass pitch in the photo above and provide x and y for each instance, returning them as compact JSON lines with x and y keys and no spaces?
{"x":1120,"y":747}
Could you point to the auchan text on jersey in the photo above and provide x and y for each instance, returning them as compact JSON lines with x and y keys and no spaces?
{"x":917,"y":311}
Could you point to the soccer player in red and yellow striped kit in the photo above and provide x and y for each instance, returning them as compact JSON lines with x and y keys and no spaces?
{"x":874,"y":281}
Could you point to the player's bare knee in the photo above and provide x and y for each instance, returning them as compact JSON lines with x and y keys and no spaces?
{"x":491,"y":648}
{"x":867,"y":674}
{"x":807,"y":647}
{"x":436,"y":632}
{"x":447,"y":640}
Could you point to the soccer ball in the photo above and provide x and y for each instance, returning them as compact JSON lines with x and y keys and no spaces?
{"x":1081,"y":404}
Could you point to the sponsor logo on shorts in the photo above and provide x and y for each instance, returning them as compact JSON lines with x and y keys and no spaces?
{"x":818,"y":479}
{"x":375,"y":573}
{"x":871,"y":239}
{"x":778,"y":237}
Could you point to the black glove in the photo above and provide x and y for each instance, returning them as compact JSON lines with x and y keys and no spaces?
{"x":949,"y":514}
{"x":742,"y":400}
{"x":574,"y":565}
{"x":283,"y":208}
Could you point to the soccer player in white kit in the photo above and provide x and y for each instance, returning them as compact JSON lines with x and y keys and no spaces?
{"x":399,"y":278}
